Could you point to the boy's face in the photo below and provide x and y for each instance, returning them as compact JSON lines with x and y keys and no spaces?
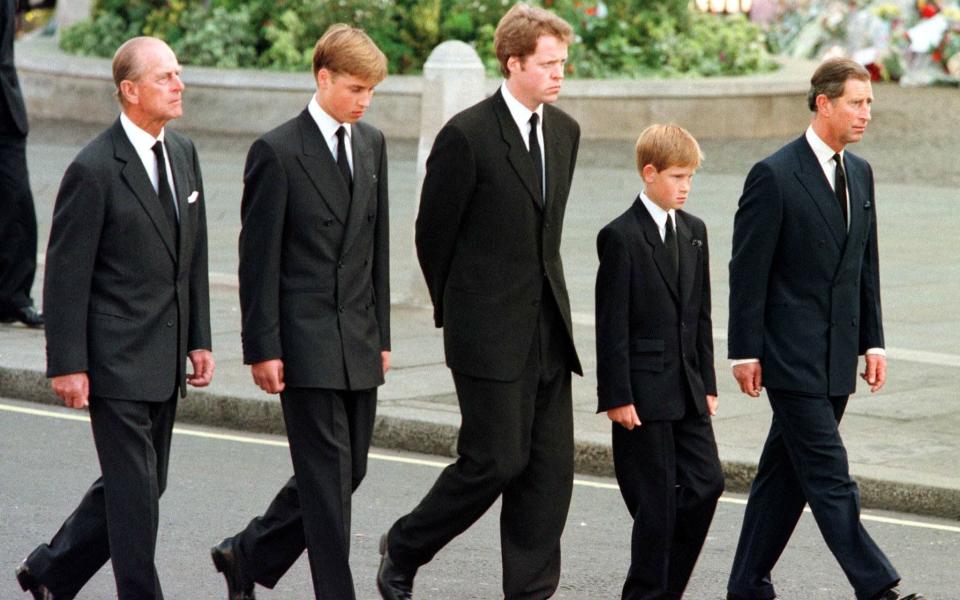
{"x":343,"y":96}
{"x":668,"y":188}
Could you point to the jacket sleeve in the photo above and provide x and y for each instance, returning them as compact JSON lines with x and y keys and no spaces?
{"x":198,"y":333}
{"x":612,"y":300}
{"x":262,"y":213}
{"x":705,"y":325}
{"x":871,"y":317}
{"x":447,"y":189}
{"x":78,"y":218}
{"x":756,"y":228}
{"x":381,"y":251}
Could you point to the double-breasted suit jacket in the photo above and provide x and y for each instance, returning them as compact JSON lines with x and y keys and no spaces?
{"x":654,"y":337}
{"x":125,"y":296}
{"x":314,"y":279}
{"x":804,"y":290}
{"x":486,"y":257}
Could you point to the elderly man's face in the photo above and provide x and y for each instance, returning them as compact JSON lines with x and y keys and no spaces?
{"x":158,"y":91}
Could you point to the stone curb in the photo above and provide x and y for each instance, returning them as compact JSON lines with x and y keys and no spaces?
{"x":415,"y":435}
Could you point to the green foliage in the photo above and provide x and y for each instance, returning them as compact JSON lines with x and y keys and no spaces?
{"x":614,"y":38}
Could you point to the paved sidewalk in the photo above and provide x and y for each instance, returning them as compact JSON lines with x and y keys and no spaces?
{"x":903,"y":443}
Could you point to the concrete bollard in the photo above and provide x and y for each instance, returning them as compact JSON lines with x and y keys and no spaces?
{"x":71,"y":11}
{"x":453,"y":79}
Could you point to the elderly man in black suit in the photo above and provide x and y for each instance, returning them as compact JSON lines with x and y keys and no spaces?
{"x":127,"y":301}
{"x":804,"y":303}
{"x":18,"y":220}
{"x":488,"y":241}
{"x":315,"y":298}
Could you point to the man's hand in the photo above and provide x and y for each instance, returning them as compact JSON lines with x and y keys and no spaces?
{"x":268,"y":375}
{"x":749,"y":377}
{"x":875,"y":372}
{"x":73,"y":389}
{"x":385,"y":360}
{"x":203,"y":366}
{"x":712,"y":404}
{"x":626,"y":415}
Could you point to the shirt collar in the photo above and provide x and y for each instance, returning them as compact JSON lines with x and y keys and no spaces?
{"x":141,"y":140}
{"x":659,"y":215}
{"x":327,"y":124}
{"x":519,"y":112}
{"x":821,"y":150}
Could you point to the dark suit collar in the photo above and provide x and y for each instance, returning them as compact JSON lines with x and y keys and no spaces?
{"x":321,"y":167}
{"x":652,"y":235}
{"x":811,"y":177}
{"x":364,"y":183}
{"x":135,"y":176}
{"x":517,"y":154}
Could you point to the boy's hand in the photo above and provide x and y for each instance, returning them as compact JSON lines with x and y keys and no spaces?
{"x":712,"y":404}
{"x":626,"y":415}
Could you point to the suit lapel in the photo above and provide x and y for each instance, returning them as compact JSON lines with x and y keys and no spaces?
{"x":857,"y":197}
{"x":517,"y":154}
{"x":364,"y":177}
{"x":652,"y":235}
{"x":321,"y":168}
{"x":689,"y":261}
{"x":181,"y":182}
{"x":811,"y":177}
{"x":135,"y":176}
{"x":557,"y":157}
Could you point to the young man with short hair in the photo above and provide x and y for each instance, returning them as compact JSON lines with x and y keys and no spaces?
{"x":315,"y":303}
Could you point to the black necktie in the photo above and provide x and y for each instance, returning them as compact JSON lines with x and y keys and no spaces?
{"x":671,"y":247}
{"x":535,"y":154}
{"x":164,"y":193}
{"x":342,"y":162}
{"x":840,"y":187}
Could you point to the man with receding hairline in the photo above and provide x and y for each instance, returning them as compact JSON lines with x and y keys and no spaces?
{"x":488,"y":240}
{"x":127,"y":303}
{"x":804,"y":305}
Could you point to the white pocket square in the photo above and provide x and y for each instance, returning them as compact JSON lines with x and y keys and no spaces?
{"x":193,"y":197}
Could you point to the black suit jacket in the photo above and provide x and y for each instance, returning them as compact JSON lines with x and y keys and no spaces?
{"x":13,"y":115}
{"x":805,"y":293}
{"x":653,"y":336}
{"x":486,"y":246}
{"x":122,"y":301}
{"x":314,"y":262}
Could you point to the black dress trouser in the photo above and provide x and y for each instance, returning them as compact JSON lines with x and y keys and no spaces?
{"x":516,"y":440}
{"x":670,"y":477}
{"x":18,"y":226}
{"x":118,"y":517}
{"x":329,"y":433}
{"x":804,"y":462}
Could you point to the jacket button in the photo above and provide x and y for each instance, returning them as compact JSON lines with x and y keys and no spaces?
{"x":683,"y":324}
{"x":169,"y":323}
{"x":546,"y":225}
{"x":340,"y":264}
{"x":535,"y":303}
{"x":340,"y":308}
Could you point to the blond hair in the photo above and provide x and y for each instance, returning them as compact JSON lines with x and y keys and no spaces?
{"x":520,"y":28}
{"x":665,"y":146}
{"x":343,"y":49}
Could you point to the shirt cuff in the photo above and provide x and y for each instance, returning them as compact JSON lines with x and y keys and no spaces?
{"x":743,"y":361}
{"x":879,"y":351}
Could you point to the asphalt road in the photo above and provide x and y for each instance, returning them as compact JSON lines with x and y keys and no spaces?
{"x":219,"y":479}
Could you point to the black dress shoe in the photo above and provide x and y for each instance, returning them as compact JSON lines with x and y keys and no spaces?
{"x":27,"y":315}
{"x":393,"y":582}
{"x":894,"y":594}
{"x":225,"y":560}
{"x":29,"y":583}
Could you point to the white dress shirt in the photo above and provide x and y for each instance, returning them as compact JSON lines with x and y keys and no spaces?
{"x":659,"y":215}
{"x":824,"y":154}
{"x":328,"y":128}
{"x":143,"y":143}
{"x":521,"y":115}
